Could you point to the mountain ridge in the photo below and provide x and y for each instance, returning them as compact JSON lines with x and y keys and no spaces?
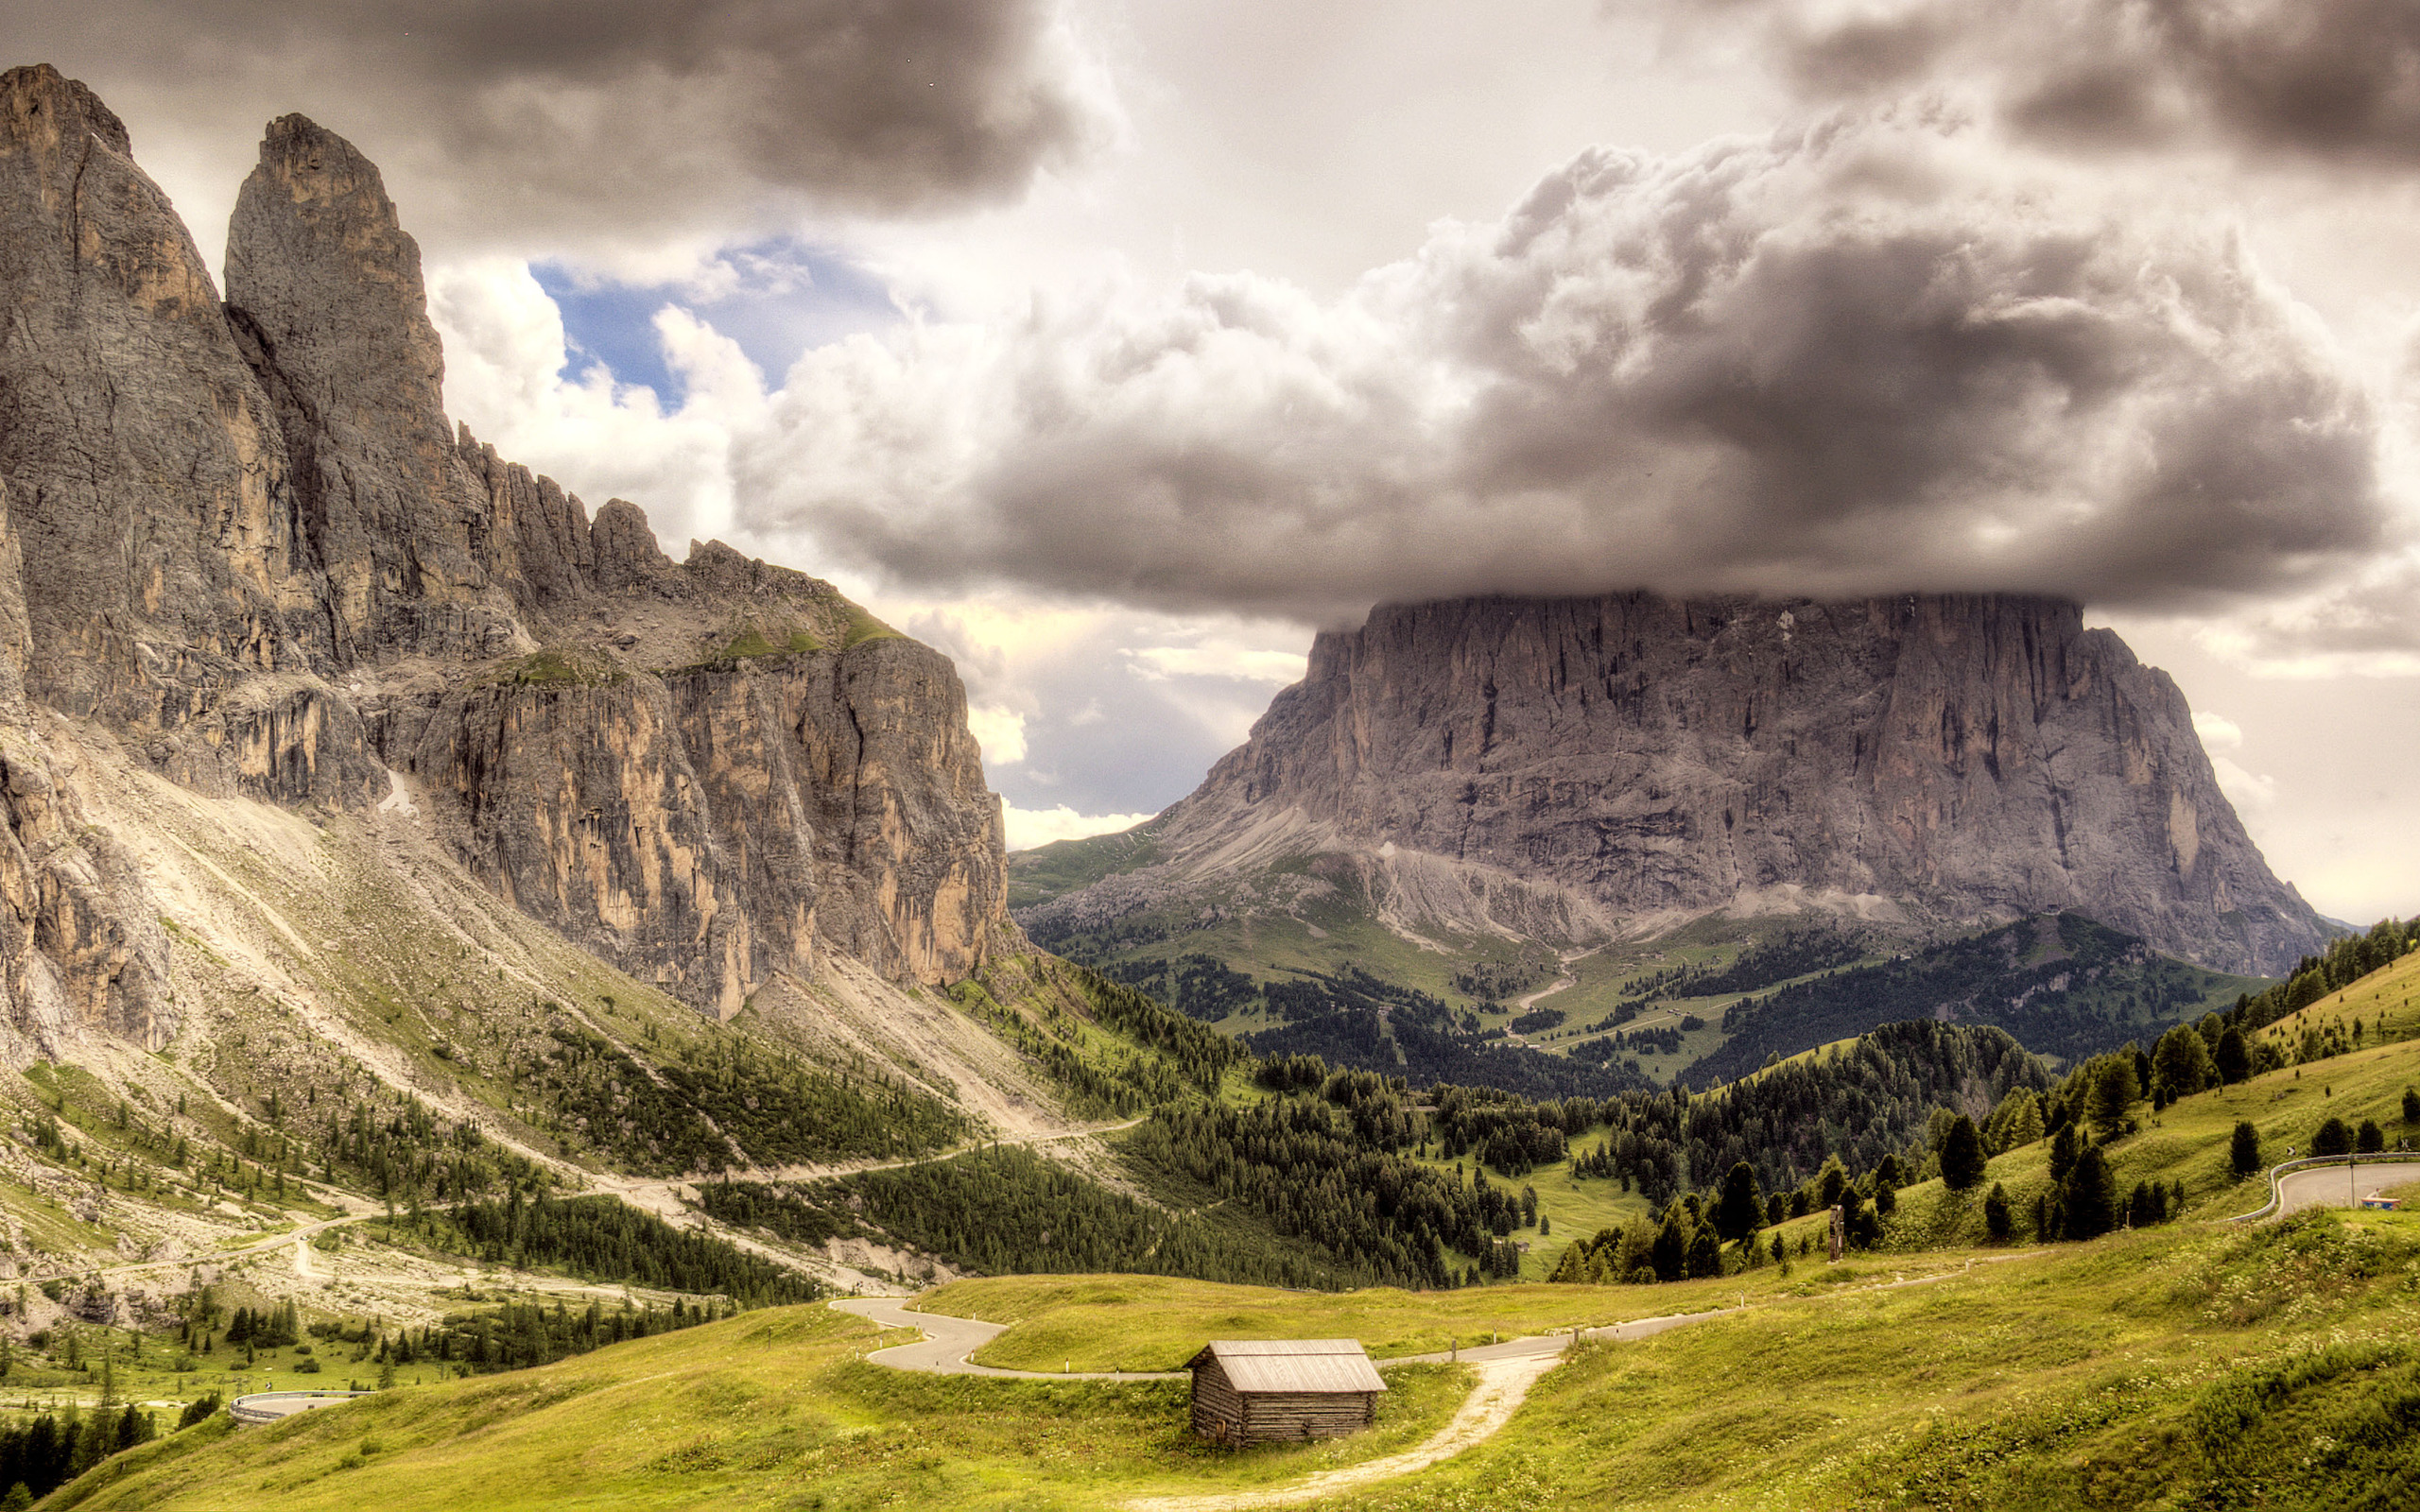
{"x":1574,"y":769}
{"x":243,"y":543}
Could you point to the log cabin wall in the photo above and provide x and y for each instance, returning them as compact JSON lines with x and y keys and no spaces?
{"x":1272,"y":1417}
{"x":1217,"y":1408}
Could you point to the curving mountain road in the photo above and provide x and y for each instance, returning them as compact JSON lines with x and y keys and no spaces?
{"x":948,"y":1341}
{"x":2329,"y":1186}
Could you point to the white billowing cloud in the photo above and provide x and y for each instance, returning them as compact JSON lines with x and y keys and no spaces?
{"x":1278,"y":669}
{"x":2217,"y":732}
{"x":1028,"y":828}
{"x":504,"y":351}
{"x":2367,"y":626}
{"x":1871,"y":355}
{"x":1000,"y":732}
{"x":2244,"y":789}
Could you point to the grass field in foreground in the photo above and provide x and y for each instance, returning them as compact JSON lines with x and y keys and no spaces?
{"x":772,"y":1409}
{"x":2197,"y":1365}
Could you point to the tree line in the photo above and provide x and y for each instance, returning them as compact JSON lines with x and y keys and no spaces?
{"x":41,"y":1454}
{"x":604,"y":1239}
{"x":1006,"y":1211}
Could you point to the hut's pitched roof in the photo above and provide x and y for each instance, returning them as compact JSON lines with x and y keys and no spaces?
{"x":1292,"y":1365}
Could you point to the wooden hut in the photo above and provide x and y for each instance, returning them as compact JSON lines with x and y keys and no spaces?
{"x":1255,"y":1391}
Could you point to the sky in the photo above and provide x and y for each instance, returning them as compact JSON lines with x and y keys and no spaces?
{"x":1117,"y":348}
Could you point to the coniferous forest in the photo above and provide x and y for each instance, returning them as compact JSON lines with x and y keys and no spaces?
{"x":604,"y":1239}
{"x":1008,"y":1211}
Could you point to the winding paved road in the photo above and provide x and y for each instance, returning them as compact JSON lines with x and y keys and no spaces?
{"x":2327,"y":1186}
{"x":948,"y":1341}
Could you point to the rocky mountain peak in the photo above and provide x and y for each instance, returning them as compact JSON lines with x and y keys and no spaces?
{"x":325,"y":296}
{"x":1565,"y":768}
{"x":41,"y":110}
{"x":243,"y":548}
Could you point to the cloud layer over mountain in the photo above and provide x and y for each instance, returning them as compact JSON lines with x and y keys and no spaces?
{"x":1860,"y":355}
{"x":2337,"y":81}
{"x":612,"y":119}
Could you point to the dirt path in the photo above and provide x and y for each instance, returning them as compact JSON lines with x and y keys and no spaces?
{"x":1564,"y":977}
{"x":1503,"y":1384}
{"x":660,"y":1195}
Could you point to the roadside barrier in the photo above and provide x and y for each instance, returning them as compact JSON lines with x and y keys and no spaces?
{"x":268,"y":1406}
{"x":2309,"y":1161}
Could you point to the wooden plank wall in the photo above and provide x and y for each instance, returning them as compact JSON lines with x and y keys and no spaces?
{"x":1307,"y":1415}
{"x":1217,"y":1409}
{"x":1226,"y":1415}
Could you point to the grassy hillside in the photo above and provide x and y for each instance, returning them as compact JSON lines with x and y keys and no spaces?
{"x":2188,"y":1366}
{"x":1046,"y":872}
{"x":2187,"y":1142}
{"x":1296,"y":960}
{"x":770,"y":1409}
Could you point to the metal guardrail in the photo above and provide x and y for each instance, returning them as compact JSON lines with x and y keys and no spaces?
{"x":2309,"y":1161}
{"x":254,"y":1408}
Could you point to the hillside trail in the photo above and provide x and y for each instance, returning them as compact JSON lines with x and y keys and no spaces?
{"x":660,"y":1195}
{"x":1564,"y":977}
{"x":1505,"y":1372}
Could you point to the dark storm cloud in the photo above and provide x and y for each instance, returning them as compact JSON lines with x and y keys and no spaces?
{"x":574,"y":115}
{"x":2335,"y":81}
{"x":1858,"y":358}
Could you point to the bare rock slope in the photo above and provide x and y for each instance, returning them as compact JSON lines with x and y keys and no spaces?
{"x":242,"y":547}
{"x":1558,"y":768}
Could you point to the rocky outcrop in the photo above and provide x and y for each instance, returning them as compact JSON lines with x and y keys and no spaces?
{"x":1945,"y":759}
{"x":790,"y":791}
{"x":244,"y":545}
{"x":324,"y":295}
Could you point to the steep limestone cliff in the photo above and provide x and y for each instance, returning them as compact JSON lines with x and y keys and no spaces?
{"x":244,"y":546}
{"x":1945,"y":760}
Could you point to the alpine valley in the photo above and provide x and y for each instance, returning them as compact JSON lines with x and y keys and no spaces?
{"x":461,"y":957}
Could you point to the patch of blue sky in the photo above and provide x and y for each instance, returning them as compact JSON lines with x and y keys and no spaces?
{"x":775,"y":299}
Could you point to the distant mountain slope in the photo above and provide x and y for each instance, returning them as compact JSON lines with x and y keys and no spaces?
{"x":2062,"y":984}
{"x":1572,"y":770}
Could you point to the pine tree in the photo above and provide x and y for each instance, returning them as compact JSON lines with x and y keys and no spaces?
{"x":2243,"y":1152}
{"x":2063,"y":1153}
{"x":1670,"y":1252}
{"x":1962,"y":1161}
{"x":2334,"y":1138}
{"x":1705,"y":1256}
{"x":1740,"y":1210}
{"x":1997,"y":1221}
{"x":2370,"y":1138}
{"x":2181,"y":1064}
{"x":2089,"y":1196}
{"x":2115,"y":1089}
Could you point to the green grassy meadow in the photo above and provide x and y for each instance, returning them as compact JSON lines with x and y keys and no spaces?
{"x":772,"y":1409}
{"x":2199,"y":1364}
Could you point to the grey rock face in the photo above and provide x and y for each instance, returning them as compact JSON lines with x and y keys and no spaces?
{"x":163,"y":566}
{"x":243,"y":541}
{"x":323,"y":290}
{"x":729,"y":818}
{"x":1958,"y":758}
